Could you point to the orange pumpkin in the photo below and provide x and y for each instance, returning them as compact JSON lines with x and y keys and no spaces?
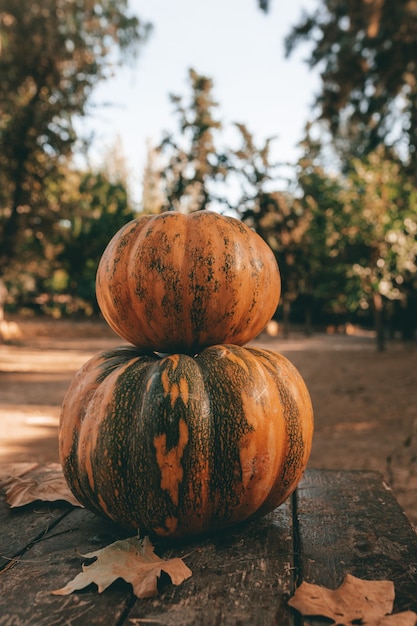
{"x":179,"y":283}
{"x":182,"y":445}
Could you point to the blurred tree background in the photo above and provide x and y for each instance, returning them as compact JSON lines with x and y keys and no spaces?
{"x":53,"y":218}
{"x":344,"y":229}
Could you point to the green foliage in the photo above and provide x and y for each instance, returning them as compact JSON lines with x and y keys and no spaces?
{"x":362,"y":236}
{"x":361,"y":242}
{"x":271,"y":213}
{"x":99,"y":209}
{"x":382,"y":203}
{"x":344,"y":241}
{"x":60,"y":279}
{"x":53,"y":53}
{"x":366,"y":56}
{"x":325,"y":254}
{"x":193,"y":161}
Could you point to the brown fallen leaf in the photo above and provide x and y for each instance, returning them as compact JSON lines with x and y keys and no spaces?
{"x":132,"y":559}
{"x":406,"y":618}
{"x":46,"y":483}
{"x":369,"y":602}
{"x":10,"y":471}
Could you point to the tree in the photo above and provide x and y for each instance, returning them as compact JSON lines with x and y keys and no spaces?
{"x":60,"y":278}
{"x":271,"y":213}
{"x":382,"y":204}
{"x":322,"y":254}
{"x":361,"y":241}
{"x":366,"y":55}
{"x":95,"y":209}
{"x":53,"y":53}
{"x":252,"y":167}
{"x":153,"y":198}
{"x":194,"y":162}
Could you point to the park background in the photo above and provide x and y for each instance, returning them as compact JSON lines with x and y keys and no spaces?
{"x":301,"y":121}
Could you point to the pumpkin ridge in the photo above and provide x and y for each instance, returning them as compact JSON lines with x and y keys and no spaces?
{"x":180,"y":445}
{"x":230,"y":426}
{"x":108,"y":450}
{"x":179,"y":283}
{"x":299,"y":446}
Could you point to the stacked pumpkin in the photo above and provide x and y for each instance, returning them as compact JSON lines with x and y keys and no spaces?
{"x":185,"y":431}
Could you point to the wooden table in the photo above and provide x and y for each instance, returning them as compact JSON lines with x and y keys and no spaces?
{"x":337,"y":522}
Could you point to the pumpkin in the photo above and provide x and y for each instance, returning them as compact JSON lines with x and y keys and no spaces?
{"x":179,"y":283}
{"x":178,"y":445}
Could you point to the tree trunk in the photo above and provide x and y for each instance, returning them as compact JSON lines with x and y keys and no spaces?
{"x":3,"y":298}
{"x":308,"y":316}
{"x":378,"y":311}
{"x":286,"y":308}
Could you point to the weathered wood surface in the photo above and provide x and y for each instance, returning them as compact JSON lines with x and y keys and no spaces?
{"x":342,"y":522}
{"x":350,"y":523}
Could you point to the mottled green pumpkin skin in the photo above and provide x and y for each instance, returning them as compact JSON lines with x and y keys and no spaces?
{"x":181,"y":445}
{"x":179,"y":283}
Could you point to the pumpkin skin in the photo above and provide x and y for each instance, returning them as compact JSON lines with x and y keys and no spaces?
{"x":178,"y":445}
{"x":179,"y":283}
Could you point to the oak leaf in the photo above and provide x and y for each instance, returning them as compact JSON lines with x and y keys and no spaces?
{"x":132,"y":559}
{"x":368,"y":602}
{"x":10,"y":471}
{"x":46,"y":483}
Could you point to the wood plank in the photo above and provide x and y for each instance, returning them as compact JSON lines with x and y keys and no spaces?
{"x":346,"y":522}
{"x":19,"y":529}
{"x":349,"y":522}
{"x":23,"y":530}
{"x":49,"y":563}
{"x":243,"y":576}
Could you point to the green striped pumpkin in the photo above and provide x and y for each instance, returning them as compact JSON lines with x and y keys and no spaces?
{"x":179,"y":283}
{"x":178,"y":445}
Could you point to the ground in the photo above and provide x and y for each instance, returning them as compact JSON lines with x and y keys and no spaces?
{"x":365,"y":402}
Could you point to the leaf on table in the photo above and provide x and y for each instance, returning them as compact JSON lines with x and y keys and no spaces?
{"x":46,"y":483}
{"x":10,"y":471}
{"x":368,"y":602}
{"x":132,"y":559}
{"x":407,"y":618}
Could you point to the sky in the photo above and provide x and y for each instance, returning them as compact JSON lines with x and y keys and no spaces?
{"x":230,"y":41}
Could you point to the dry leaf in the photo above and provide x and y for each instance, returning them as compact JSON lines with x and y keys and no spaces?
{"x":367,"y":601}
{"x":47,"y":483}
{"x":407,"y":618}
{"x":132,"y":559}
{"x":10,"y":471}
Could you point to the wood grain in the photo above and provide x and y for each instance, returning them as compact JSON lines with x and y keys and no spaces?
{"x":338,"y":522}
{"x":349,"y":522}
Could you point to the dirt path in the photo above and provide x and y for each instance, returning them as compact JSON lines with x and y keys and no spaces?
{"x":365,"y":402}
